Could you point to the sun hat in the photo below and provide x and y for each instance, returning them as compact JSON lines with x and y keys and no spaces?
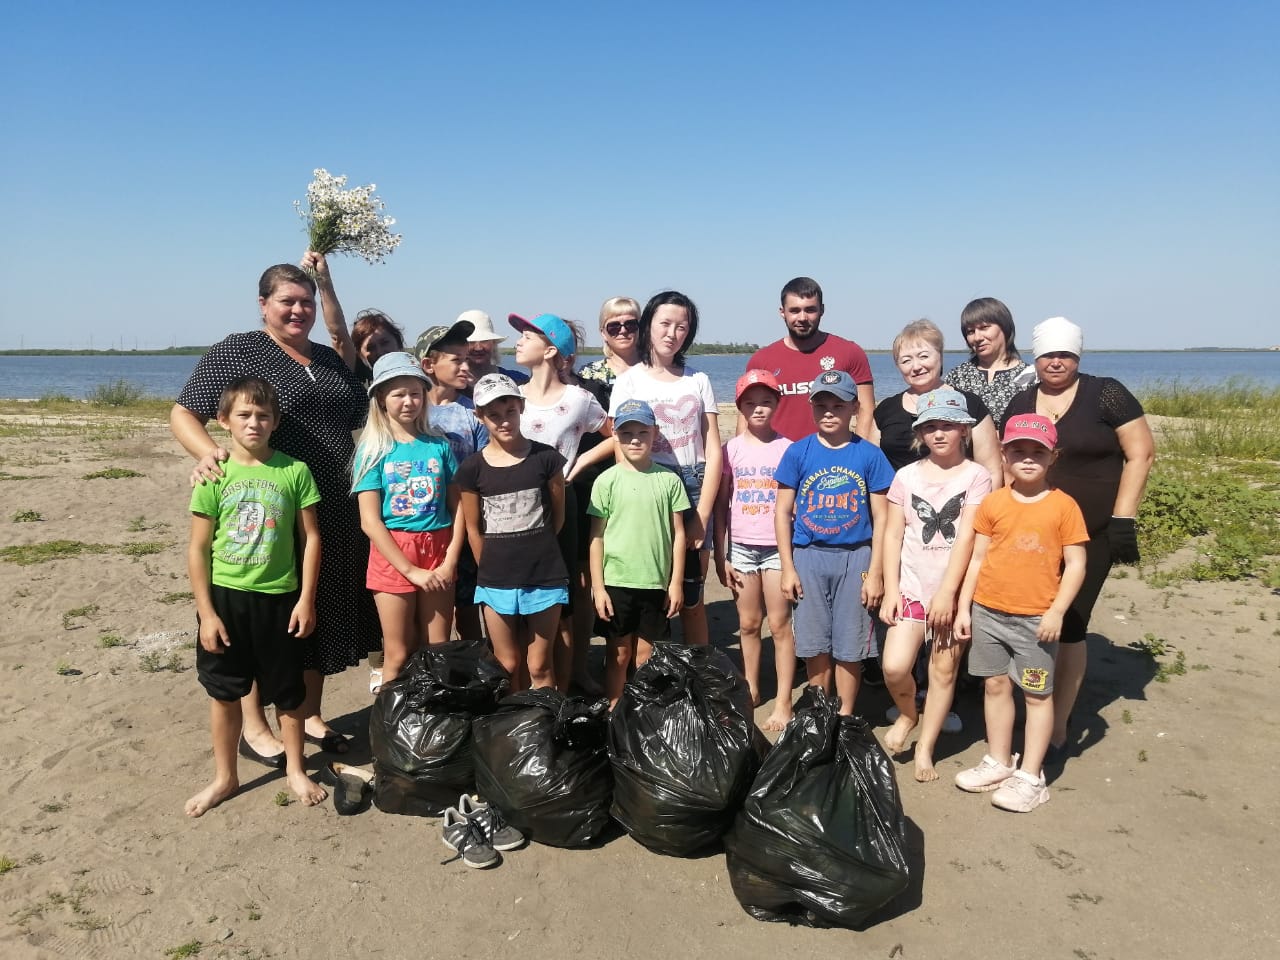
{"x":494,"y":386}
{"x":634,"y":411}
{"x":483,"y":326}
{"x":836,"y":382}
{"x":1056,"y":335}
{"x":945,"y":403}
{"x":430,"y":338}
{"x":551,"y":327}
{"x":1031,"y":426}
{"x":397,"y":363}
{"x":756,"y":378}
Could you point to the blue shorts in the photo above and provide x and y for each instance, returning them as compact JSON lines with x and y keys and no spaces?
{"x":831,"y":618}
{"x":518,"y":601}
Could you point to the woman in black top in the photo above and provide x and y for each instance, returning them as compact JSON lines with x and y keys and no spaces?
{"x":917,"y":350}
{"x":1105,"y":452}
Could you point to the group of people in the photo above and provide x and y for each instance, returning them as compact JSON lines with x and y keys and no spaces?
{"x":414,"y":492}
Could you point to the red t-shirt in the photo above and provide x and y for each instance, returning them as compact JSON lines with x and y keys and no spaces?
{"x":796,"y":370}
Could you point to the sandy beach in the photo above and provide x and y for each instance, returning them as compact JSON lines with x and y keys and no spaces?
{"x":1156,"y":842}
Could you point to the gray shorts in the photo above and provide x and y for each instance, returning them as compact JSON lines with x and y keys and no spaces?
{"x":1006,"y":643}
{"x":831,"y":618}
{"x":750,"y":558}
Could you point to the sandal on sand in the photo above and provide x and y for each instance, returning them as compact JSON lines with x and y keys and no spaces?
{"x":352,"y":787}
{"x":274,"y":762}
{"x":330,"y":743}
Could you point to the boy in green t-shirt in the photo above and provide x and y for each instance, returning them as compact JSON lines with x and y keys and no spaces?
{"x":637,"y":546}
{"x":251,"y":610}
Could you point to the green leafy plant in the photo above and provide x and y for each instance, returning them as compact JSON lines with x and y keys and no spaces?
{"x":189,"y":949}
{"x":88,"y":610}
{"x":112,"y":473}
{"x":109,"y":640}
{"x":27,"y":516}
{"x":117,"y":393}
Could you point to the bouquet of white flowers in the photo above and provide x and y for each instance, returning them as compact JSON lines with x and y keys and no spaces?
{"x":346,"y":221}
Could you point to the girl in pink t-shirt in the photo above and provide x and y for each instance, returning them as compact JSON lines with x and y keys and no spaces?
{"x":746,"y":546}
{"x":927,"y":544}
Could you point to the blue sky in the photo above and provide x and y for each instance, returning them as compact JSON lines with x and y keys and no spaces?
{"x":1116,"y":163}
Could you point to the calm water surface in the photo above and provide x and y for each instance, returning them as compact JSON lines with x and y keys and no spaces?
{"x":164,"y":376}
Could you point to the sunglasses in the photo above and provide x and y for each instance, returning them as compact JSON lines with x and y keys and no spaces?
{"x":615,"y":327}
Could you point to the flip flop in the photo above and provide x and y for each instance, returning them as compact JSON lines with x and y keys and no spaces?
{"x":352,"y":787}
{"x":246,"y":751}
{"x":330,"y":743}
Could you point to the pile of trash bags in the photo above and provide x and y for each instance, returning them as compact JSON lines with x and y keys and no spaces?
{"x":420,"y":726}
{"x":684,"y":748}
{"x":820,"y":838}
{"x":541,"y":760}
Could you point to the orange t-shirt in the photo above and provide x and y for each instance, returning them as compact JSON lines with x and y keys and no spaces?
{"x":1023,"y":566}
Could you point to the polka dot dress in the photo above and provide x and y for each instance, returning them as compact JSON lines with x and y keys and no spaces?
{"x":321,"y":404}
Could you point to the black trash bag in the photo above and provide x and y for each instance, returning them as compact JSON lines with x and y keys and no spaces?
{"x":820,"y":839}
{"x":542,"y":761}
{"x":420,"y":726}
{"x":684,"y":747}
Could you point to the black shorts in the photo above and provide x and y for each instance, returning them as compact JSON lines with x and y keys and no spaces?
{"x":638,"y":612}
{"x":261,"y":649}
{"x":464,"y":588}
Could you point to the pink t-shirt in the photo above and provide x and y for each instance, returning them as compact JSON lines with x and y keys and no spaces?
{"x":796,"y":370}
{"x":748,"y":470}
{"x":932,"y":510}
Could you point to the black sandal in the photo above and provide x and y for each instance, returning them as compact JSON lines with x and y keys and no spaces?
{"x":333,"y":742}
{"x":275,"y":763}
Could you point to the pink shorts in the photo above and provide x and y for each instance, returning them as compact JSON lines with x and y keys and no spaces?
{"x":912,"y":610}
{"x":425,"y":550}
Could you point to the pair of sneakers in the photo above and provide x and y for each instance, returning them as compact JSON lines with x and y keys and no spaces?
{"x":476,"y":831}
{"x":1015,"y":790}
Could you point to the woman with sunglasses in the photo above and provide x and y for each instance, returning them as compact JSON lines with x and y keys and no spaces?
{"x":620,"y":338}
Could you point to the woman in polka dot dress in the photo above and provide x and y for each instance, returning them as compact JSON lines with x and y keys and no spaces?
{"x":322,"y":402}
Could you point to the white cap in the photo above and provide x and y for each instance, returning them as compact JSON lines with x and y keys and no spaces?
{"x":483,"y":326}
{"x":1056,"y":335}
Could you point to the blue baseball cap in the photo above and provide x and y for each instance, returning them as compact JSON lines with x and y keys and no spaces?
{"x":836,"y":382}
{"x":549,"y":326}
{"x":945,"y":403}
{"x":634,"y":411}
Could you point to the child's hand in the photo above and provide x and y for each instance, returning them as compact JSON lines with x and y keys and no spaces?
{"x":423,"y":579}
{"x":604,"y":609}
{"x":962,"y":627}
{"x":873,"y":589}
{"x":675,"y":600}
{"x":891,"y":609}
{"x":213,"y":635}
{"x":1050,"y":628}
{"x":695,"y":538}
{"x":723,"y":571}
{"x":940,"y":613}
{"x":446,"y":574}
{"x":303,"y":620}
{"x":791,"y":588}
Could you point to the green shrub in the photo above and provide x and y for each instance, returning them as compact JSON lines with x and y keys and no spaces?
{"x":117,"y":393}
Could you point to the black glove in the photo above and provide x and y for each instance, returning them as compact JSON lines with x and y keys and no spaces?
{"x":1122,"y":534}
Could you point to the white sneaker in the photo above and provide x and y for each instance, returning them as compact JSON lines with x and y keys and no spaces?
{"x":988,"y":775}
{"x":1021,"y":793}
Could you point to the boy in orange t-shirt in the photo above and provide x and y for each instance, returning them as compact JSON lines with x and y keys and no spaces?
{"x":1027,"y":566}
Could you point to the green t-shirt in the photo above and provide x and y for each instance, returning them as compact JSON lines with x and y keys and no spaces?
{"x":254,"y":510}
{"x":638,"y":507}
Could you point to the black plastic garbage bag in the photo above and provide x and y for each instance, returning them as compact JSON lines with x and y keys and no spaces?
{"x":542,"y":761}
{"x":684,"y":747}
{"x":420,"y":726}
{"x":820,"y":839}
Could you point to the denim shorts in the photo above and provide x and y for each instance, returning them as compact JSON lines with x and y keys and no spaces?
{"x":752,"y":558}
{"x":831,"y":618}
{"x":691,"y":477}
{"x":521,"y":601}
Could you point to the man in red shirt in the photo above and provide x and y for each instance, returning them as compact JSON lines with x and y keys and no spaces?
{"x":803,"y":354}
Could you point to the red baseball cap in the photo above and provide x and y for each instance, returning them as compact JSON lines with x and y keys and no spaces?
{"x":1031,"y":426}
{"x":756,"y":378}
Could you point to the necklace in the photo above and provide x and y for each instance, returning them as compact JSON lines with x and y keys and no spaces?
{"x":1055,"y":414}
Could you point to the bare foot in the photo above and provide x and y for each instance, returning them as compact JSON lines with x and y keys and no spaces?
{"x":924,"y":767}
{"x":779,"y":719}
{"x":210,"y":797}
{"x":895,"y":741}
{"x":308,"y":791}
